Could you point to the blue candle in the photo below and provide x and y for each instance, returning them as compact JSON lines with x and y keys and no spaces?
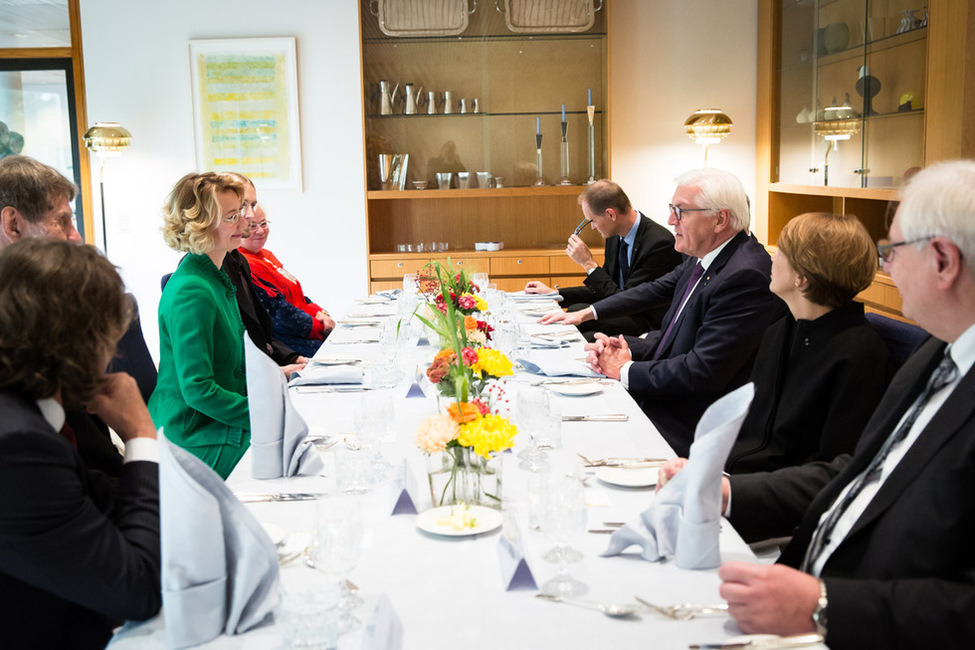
{"x":563,"y":112}
{"x":538,"y":125}
{"x":590,"y":97}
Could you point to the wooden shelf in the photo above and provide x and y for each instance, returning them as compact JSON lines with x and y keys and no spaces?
{"x":874,"y":193}
{"x":492,"y":192}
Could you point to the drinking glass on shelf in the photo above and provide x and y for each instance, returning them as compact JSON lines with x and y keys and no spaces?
{"x":564,"y":519}
{"x":531,"y":407}
{"x":335,"y":546}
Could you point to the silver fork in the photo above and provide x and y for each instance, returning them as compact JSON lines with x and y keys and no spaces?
{"x":684,"y":611}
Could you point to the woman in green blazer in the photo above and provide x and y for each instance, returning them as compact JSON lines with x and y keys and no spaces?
{"x":200,"y":399}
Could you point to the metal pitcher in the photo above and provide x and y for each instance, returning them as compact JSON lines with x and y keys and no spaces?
{"x":431,"y":102}
{"x":448,"y":102}
{"x":463,"y":105}
{"x":413,"y":97}
{"x":387,"y":97}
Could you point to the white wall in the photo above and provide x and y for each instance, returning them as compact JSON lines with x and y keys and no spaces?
{"x":137,"y":73}
{"x":668,"y":58}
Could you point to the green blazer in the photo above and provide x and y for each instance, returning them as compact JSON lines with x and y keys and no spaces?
{"x":201,"y":395}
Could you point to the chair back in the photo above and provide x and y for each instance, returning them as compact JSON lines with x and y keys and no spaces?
{"x":132,"y":354}
{"x":901,"y":338}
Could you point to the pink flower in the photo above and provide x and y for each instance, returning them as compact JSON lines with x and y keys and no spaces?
{"x":467,"y":302}
{"x":469,"y":356}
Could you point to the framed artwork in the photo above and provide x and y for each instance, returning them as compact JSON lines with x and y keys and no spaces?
{"x":245,"y":109}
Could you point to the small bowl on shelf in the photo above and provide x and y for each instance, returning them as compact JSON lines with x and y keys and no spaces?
{"x":488,"y":245}
{"x":419,"y":185}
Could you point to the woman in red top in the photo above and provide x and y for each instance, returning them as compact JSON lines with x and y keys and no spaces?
{"x":298,"y":322}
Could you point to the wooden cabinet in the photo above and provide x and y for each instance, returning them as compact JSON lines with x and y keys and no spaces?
{"x":812,"y":53}
{"x":519,"y":81}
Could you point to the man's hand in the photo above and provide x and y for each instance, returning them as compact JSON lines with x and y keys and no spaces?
{"x":769,"y":599}
{"x":326,"y":321}
{"x":538,"y":287}
{"x":119,"y":404}
{"x":607,"y":355}
{"x":580,"y":253}
{"x":668,"y":471}
{"x":567,"y":317}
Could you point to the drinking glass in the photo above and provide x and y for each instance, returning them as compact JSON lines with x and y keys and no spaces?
{"x":550,"y":436}
{"x":531,"y":407}
{"x":335,"y":548}
{"x":309,"y":616}
{"x":410,"y":282}
{"x":507,"y":337}
{"x":564,"y":519}
{"x":354,"y":469}
{"x":481,"y":280}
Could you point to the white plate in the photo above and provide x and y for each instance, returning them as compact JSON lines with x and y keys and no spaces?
{"x":575,"y":390}
{"x":487,"y":520}
{"x":628,"y":476}
{"x":276,"y":533}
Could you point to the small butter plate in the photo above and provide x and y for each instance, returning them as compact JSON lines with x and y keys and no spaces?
{"x":575,"y":390}
{"x":487,"y":519}
{"x":634,"y":477}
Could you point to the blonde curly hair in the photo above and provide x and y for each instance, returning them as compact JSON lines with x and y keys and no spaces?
{"x":192,"y":210}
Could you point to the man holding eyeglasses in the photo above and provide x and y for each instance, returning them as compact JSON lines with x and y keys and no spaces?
{"x":881,"y":551}
{"x":720,"y":308}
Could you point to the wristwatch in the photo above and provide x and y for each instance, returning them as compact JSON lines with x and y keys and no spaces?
{"x":819,"y":614}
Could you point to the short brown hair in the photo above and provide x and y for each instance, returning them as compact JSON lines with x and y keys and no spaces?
{"x":603,"y":195}
{"x":193,"y":208}
{"x":33,"y":188}
{"x":833,"y":252}
{"x":62,"y":311}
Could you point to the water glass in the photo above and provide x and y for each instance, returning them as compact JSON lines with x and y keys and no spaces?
{"x":550,"y":435}
{"x":309,"y":616}
{"x":564,"y":519}
{"x":443,"y":180}
{"x":481,"y":280}
{"x":335,"y":547}
{"x":354,"y":469}
{"x":410,"y":282}
{"x":531,"y":408}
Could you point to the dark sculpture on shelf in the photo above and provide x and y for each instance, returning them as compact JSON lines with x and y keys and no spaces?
{"x":867,"y":87}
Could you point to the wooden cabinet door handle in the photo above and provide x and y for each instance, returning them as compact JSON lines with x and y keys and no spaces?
{"x":399,"y":265}
{"x":518,"y":262}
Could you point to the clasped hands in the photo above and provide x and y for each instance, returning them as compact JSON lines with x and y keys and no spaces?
{"x":763,"y":599}
{"x":608,"y":354}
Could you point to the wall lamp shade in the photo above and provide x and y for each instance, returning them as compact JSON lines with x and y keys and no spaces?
{"x":708,"y":126}
{"x":108,"y":139}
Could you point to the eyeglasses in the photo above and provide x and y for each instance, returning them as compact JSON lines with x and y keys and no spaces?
{"x":885,"y":247}
{"x":233,"y":218}
{"x":263,"y":224}
{"x":678,"y":211}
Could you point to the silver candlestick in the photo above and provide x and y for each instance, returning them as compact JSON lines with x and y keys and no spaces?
{"x":564,"y":156}
{"x":538,"y":154}
{"x":591,"y":111}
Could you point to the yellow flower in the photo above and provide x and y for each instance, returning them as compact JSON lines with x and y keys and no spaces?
{"x":487,"y":435}
{"x":481,"y":303}
{"x":435,"y":432}
{"x":492,"y":362}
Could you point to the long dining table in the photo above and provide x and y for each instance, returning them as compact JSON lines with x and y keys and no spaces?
{"x":451,"y":592}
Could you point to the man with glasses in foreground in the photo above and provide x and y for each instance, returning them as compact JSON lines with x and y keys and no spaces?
{"x":720,"y":308}
{"x":882,"y":554}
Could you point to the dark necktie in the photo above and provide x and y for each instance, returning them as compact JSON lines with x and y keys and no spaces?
{"x":942,"y":376}
{"x":665,"y":339}
{"x":68,"y":433}
{"x":624,"y":263}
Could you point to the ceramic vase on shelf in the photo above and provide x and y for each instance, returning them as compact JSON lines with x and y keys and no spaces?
{"x":458,"y":475}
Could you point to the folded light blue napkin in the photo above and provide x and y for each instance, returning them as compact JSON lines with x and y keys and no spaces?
{"x":522,"y":296}
{"x":556,"y":365}
{"x":219,"y":568}
{"x":316,"y":374}
{"x":685,"y":518}
{"x":279,"y":435}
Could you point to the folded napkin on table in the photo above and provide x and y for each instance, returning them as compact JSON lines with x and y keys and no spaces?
{"x":315,"y":374}
{"x":390,"y":294}
{"x":279,"y":435}
{"x":685,"y":518}
{"x":556,"y":366}
{"x":219,"y":568}
{"x":521,"y":295}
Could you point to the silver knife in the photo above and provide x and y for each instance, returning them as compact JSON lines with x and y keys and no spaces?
{"x":796,"y":641}
{"x":612,"y":417}
{"x":262,"y":497}
{"x":352,"y":388}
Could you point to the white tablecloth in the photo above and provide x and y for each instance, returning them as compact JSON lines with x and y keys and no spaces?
{"x":448,"y":592}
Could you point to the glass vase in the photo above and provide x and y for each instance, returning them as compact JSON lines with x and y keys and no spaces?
{"x":458,"y":475}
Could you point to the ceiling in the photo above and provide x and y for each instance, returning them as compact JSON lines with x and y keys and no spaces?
{"x":34,"y":23}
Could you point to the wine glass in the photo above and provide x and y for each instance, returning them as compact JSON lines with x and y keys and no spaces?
{"x":335,"y":548}
{"x":564,"y":518}
{"x":531,"y":413}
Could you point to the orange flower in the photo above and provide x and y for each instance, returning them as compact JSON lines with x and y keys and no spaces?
{"x":463,"y":412}
{"x":470,"y":323}
{"x":446,"y":353}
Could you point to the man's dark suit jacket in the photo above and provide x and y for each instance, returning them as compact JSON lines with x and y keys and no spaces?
{"x":73,"y":563}
{"x":905,"y":575}
{"x":713,"y":345}
{"x":653,"y":255}
{"x":252,"y":312}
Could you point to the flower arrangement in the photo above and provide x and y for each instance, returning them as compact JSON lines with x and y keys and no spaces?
{"x":464,"y":442}
{"x":443,"y":284}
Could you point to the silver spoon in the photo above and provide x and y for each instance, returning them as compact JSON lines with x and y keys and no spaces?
{"x":613,"y":610}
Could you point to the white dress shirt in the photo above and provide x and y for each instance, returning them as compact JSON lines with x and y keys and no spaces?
{"x":135,"y":449}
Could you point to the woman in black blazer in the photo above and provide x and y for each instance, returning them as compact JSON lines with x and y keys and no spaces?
{"x":821,"y":369}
